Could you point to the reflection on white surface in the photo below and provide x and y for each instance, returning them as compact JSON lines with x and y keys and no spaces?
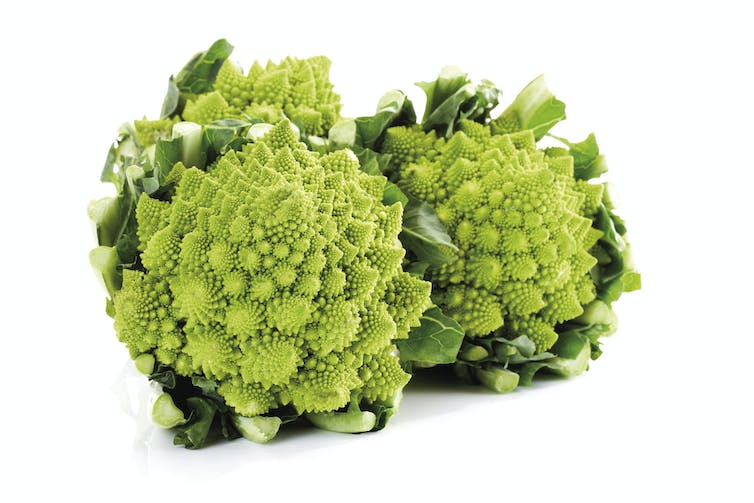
{"x":136,"y":396}
{"x":428,"y":397}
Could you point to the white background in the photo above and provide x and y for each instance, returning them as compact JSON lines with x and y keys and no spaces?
{"x":664,"y":415}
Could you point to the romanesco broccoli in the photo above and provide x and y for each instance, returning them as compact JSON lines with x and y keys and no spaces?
{"x":211,"y":88}
{"x":277,"y":274}
{"x":520,"y":225}
{"x":537,"y":254}
{"x":265,"y":259}
{"x":255,"y":280}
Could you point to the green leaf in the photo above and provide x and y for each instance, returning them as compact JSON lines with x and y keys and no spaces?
{"x":452,"y":98}
{"x":172,"y":100}
{"x":123,"y":152}
{"x":583,"y":152}
{"x":535,"y":108}
{"x":436,"y":340}
{"x":237,"y":143}
{"x":382,"y":414}
{"x":486,"y":98}
{"x":393,"y":109}
{"x":108,"y":170}
{"x":207,"y":386}
{"x":371,"y":162}
{"x":198,"y":75}
{"x":194,"y":434}
{"x":524,"y":345}
{"x":518,"y":358}
{"x":219,"y":137}
{"x":317,"y":144}
{"x":114,"y":218}
{"x":393,"y":194}
{"x":343,"y":133}
{"x":375,"y":163}
{"x":615,"y":273}
{"x":597,"y":313}
{"x":587,"y":161}
{"x":164,"y":376}
{"x":121,"y":224}
{"x":425,"y":236}
{"x":227,"y":427}
{"x":569,"y":346}
{"x":106,"y":262}
{"x":207,"y":414}
{"x":235,"y":124}
{"x":166,"y":154}
{"x":572,"y":358}
{"x":445,"y":95}
{"x":385,"y":409}
{"x":449,"y":81}
{"x":105,"y":214}
{"x":150,"y":185}
{"x":418,"y":269}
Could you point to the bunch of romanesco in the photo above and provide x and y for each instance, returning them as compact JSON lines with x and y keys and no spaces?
{"x":267,"y":260}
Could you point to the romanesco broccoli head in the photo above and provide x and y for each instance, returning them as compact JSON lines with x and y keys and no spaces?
{"x":520,"y":221}
{"x":276,"y":274}
{"x":298,"y":89}
{"x":527,"y":253}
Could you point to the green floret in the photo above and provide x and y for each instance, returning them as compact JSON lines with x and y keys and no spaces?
{"x":208,"y":107}
{"x":234,"y":86}
{"x":264,"y":112}
{"x":298,"y":89}
{"x":148,"y":132}
{"x":276,"y":276}
{"x":409,"y":144}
